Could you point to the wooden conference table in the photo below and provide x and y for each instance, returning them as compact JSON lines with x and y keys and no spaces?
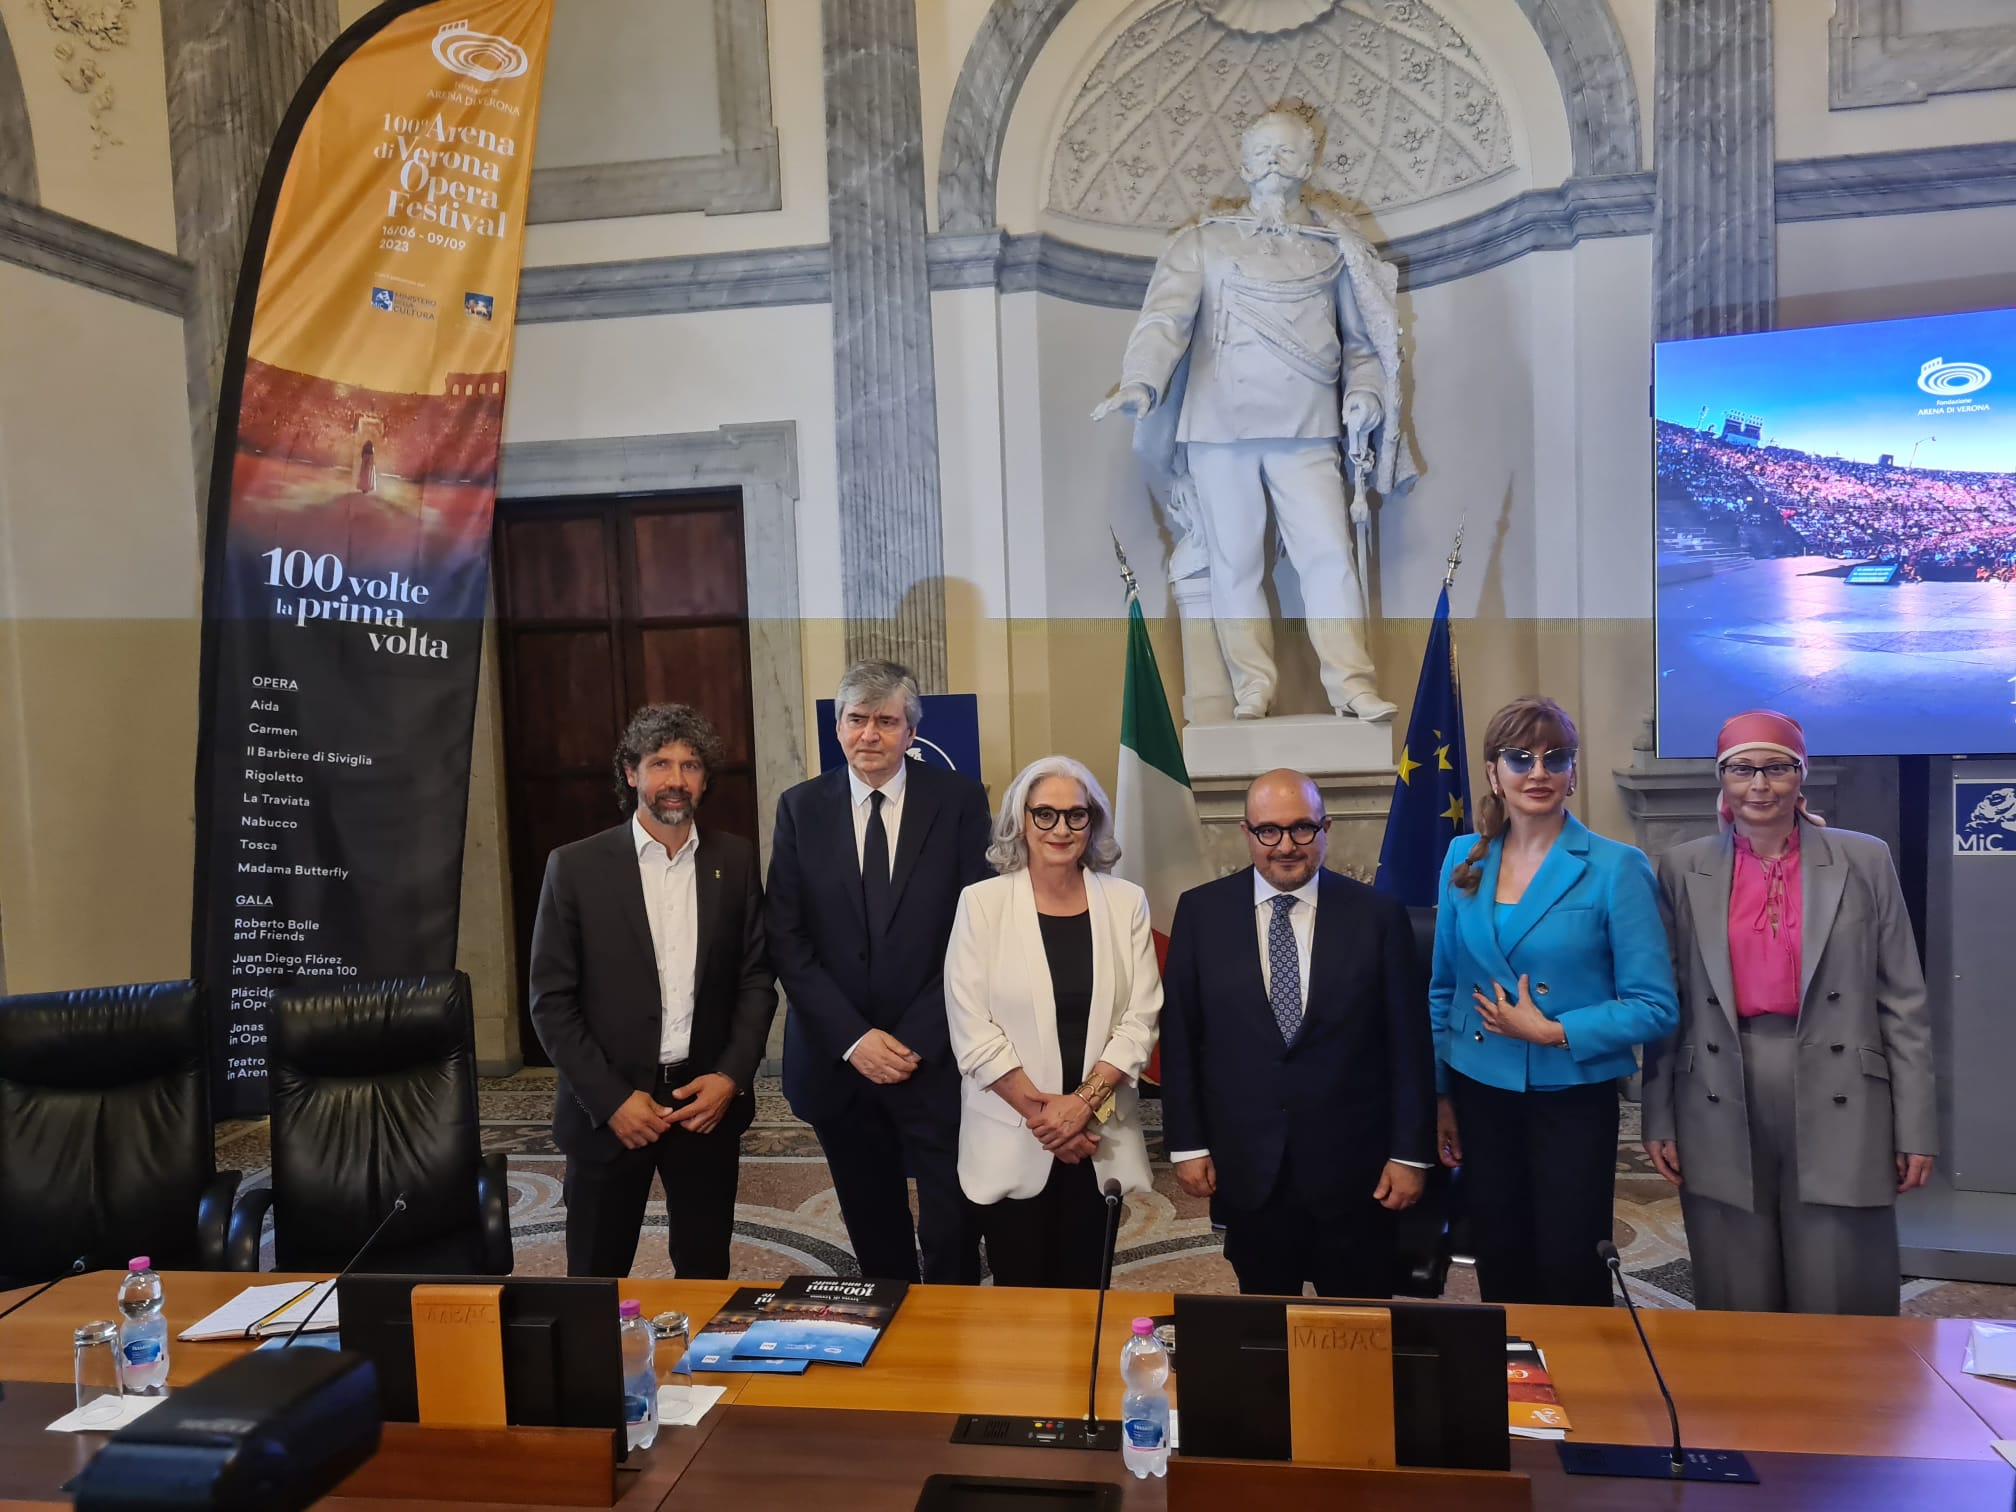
{"x":1878,"y":1407}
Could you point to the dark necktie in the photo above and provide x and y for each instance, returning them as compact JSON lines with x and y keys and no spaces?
{"x":1284,"y":971}
{"x":875,"y":888}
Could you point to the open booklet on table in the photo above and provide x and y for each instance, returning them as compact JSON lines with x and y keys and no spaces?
{"x":260,"y":1312}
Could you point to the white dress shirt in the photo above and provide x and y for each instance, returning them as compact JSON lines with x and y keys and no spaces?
{"x":892,"y":793}
{"x":892,"y":810}
{"x":671,"y":903}
{"x":1302,"y":922}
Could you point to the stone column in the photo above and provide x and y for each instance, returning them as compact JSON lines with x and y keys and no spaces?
{"x":233,"y":67}
{"x":1714,"y":248}
{"x":1714,"y":269}
{"x":891,"y":537}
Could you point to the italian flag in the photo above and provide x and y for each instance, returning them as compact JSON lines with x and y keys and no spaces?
{"x":1154,"y":811}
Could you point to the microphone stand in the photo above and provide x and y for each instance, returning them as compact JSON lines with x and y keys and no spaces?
{"x":77,"y":1268}
{"x":1646,"y":1461}
{"x":398,"y":1207}
{"x":1060,"y":1433}
{"x":1095,"y":1431}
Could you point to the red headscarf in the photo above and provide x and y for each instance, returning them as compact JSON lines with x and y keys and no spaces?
{"x":1761,"y":730}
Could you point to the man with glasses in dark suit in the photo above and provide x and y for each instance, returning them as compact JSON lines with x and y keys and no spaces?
{"x":1298,"y":1073}
{"x":866,"y":866}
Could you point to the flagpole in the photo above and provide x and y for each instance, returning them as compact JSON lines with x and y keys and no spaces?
{"x":1455,"y":552}
{"x":1126,"y":572}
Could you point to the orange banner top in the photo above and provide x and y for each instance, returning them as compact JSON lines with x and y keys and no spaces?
{"x":399,"y":230}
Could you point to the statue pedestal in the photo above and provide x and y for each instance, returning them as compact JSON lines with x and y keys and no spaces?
{"x":1351,"y":761}
{"x":1314,"y":743}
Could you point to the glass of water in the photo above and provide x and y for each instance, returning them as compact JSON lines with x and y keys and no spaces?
{"x":675,"y":1375}
{"x":97,"y":1372}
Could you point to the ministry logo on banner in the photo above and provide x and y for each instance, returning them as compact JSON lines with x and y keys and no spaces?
{"x":1984,"y":818}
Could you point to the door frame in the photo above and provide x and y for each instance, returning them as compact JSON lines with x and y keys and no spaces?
{"x":762,"y":461}
{"x":759,"y":459}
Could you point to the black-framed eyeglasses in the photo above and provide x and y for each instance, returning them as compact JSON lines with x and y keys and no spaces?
{"x":1302,"y":832}
{"x":1744,"y":771}
{"x":1558,"y":762}
{"x":1075,"y":819}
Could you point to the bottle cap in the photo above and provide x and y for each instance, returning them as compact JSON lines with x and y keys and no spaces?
{"x":139,"y":1263}
{"x":1143,"y":1326}
{"x":630,"y":1309}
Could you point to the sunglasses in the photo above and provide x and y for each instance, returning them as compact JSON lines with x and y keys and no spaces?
{"x":1557,"y":763}
{"x":1075,"y":819}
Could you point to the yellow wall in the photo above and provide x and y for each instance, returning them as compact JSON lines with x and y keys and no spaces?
{"x":98,"y":639}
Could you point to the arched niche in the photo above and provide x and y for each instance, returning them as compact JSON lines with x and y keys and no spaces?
{"x":1579,"y":36}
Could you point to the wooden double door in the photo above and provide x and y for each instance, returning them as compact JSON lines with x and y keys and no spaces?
{"x":603,"y":605}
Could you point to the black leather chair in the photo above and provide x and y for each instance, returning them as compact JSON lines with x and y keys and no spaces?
{"x":106,"y":1145}
{"x":373,"y":1089}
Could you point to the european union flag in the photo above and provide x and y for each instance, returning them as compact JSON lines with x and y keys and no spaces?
{"x":1431,"y":801}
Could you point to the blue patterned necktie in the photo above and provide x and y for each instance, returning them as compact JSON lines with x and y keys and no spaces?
{"x":1284,"y":971}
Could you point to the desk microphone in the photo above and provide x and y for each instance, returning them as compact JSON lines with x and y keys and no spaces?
{"x":1060,"y":1433}
{"x":77,"y":1268}
{"x":398,"y":1207}
{"x":1111,"y":1192}
{"x":1645,"y":1461}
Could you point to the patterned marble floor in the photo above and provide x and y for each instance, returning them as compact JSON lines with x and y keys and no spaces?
{"x":787,"y":1221}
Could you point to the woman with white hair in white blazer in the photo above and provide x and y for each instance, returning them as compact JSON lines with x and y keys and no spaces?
{"x":1052,"y":993}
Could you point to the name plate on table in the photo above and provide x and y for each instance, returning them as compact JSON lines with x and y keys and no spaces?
{"x":1340,"y":1386}
{"x":458,"y":1355}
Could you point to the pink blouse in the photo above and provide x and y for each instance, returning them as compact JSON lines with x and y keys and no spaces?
{"x":1764,"y":930}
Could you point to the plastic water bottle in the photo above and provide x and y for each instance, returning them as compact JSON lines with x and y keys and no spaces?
{"x":1144,"y":1410}
{"x":143,"y":1331}
{"x":640,"y":1377}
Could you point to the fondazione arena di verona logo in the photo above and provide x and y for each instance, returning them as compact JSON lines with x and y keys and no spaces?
{"x":1949,"y":380}
{"x":478,"y":55}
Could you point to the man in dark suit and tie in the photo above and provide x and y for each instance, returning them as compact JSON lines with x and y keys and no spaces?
{"x":653,"y":996}
{"x":1298,"y":1071}
{"x":866,"y":866}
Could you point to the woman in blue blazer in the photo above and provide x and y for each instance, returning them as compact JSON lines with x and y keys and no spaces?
{"x":1551,"y":964}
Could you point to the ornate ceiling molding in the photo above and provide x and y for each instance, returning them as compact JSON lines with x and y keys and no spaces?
{"x":90,"y":29}
{"x":1407,"y":109}
{"x":1580,"y":37}
{"x":1263,"y":18}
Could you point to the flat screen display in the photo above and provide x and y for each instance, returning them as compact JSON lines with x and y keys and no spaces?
{"x":1836,"y":517}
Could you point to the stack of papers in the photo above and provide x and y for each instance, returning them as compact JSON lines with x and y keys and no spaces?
{"x":260,"y":1312}
{"x":1991,"y":1351}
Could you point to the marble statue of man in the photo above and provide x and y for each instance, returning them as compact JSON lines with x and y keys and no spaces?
{"x":1275,"y":335}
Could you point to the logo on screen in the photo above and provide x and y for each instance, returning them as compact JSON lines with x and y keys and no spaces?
{"x":1984,"y":819}
{"x":478,"y":55}
{"x":1949,"y":380}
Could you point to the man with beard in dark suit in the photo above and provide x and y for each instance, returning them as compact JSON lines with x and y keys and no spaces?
{"x":653,"y":996}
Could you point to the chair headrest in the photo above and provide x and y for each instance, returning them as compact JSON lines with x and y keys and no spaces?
{"x":98,"y":1037}
{"x":370,"y":1028}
